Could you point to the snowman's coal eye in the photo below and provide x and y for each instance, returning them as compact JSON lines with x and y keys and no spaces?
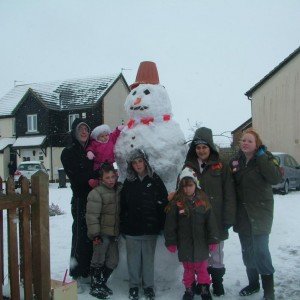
{"x":133,"y":93}
{"x":146,"y":92}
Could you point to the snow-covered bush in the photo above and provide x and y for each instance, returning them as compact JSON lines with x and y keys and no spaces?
{"x":54,"y":210}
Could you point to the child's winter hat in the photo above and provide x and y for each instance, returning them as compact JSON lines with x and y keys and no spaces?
{"x":134,"y":154}
{"x":188,"y":172}
{"x":102,"y":129}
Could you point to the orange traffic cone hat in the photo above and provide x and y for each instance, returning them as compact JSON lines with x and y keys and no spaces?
{"x":147,"y":74}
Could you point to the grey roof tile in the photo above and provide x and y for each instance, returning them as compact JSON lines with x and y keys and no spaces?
{"x":60,"y":94}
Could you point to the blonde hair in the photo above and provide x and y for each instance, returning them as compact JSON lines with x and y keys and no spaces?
{"x":257,"y":138}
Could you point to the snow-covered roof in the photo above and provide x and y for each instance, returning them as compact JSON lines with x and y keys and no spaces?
{"x":29,"y":141}
{"x":4,"y":142}
{"x":60,"y":94}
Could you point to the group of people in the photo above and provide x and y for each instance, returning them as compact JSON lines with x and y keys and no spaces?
{"x":211,"y":196}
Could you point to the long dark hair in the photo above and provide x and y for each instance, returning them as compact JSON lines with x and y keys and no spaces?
{"x":181,"y":199}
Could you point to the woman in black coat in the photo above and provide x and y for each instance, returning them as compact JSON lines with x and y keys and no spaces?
{"x":79,"y":170}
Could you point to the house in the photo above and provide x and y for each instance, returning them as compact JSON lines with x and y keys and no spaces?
{"x":237,"y":133}
{"x":275,"y":106}
{"x":38,"y":116}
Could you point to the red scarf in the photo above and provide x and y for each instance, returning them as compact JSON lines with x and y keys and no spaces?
{"x":146,"y":121}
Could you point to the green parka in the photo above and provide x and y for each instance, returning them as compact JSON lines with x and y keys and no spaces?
{"x":255,"y":203}
{"x":191,"y":233}
{"x":103,"y":210}
{"x":215,"y":180}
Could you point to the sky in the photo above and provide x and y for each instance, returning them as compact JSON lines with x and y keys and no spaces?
{"x":208,"y":52}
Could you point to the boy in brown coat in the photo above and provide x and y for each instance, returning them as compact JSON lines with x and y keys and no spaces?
{"x":102,"y":218}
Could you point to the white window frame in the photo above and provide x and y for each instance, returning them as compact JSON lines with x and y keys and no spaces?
{"x":31,"y":123}
{"x":72,"y":117}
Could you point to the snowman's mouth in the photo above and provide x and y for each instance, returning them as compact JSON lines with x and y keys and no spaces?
{"x":142,"y":107}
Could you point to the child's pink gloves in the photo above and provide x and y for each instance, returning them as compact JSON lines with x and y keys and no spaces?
{"x":121,"y":127}
{"x":90,"y":155}
{"x":93,"y":183}
{"x":213,"y":247}
{"x":172,"y":248}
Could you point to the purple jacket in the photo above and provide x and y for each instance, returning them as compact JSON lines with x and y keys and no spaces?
{"x":104,"y":152}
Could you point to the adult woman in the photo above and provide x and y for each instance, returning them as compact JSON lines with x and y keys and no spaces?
{"x":254,"y":171}
{"x":143,"y":200}
{"x":79,"y":170}
{"x":216,"y":181}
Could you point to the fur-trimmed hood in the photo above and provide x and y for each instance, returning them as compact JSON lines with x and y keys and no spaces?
{"x":102,"y":129}
{"x":76,"y":123}
{"x":134,"y":154}
{"x":202,"y":135}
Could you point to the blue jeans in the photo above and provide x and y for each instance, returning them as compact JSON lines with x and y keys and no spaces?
{"x":256,"y":254}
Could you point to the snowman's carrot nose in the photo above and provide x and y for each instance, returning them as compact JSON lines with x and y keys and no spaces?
{"x":137,"y":101}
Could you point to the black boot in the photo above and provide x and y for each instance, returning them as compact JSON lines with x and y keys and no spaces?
{"x":189,"y":294}
{"x":217,"y":280}
{"x":253,"y":286}
{"x":149,"y":293}
{"x":97,"y":282}
{"x":204,"y":292}
{"x":133,"y":293}
{"x":268,"y":286}
{"x":106,"y":274}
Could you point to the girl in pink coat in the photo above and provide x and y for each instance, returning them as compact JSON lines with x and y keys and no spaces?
{"x":101,"y":147}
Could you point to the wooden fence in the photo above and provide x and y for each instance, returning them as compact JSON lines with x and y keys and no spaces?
{"x":28,"y":241}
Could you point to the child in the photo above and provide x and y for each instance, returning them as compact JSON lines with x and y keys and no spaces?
{"x":101,"y":147}
{"x":143,"y":200}
{"x":102,"y":218}
{"x":191,"y":227}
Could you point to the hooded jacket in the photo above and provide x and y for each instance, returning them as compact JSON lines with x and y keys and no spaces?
{"x":191,"y":233}
{"x":142,"y":201}
{"x":255,"y":203}
{"x":77,"y":166}
{"x":215,"y":180}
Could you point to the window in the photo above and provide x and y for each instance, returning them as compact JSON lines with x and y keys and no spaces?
{"x":293,"y":162}
{"x":13,"y":127}
{"x":31,"y":123}
{"x":71,"y":119}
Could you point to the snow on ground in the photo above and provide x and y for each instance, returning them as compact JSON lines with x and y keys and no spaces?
{"x":284,"y":245}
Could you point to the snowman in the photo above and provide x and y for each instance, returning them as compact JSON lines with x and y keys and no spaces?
{"x":151,"y":128}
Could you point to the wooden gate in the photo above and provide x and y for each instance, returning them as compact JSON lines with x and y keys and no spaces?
{"x":28,"y":241}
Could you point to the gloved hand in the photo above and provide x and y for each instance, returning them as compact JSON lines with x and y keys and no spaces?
{"x":97,"y":240}
{"x":114,"y":238}
{"x":212,"y":247}
{"x":90,"y":155}
{"x":93,"y":183}
{"x":172,"y":248}
{"x":121,"y":127}
{"x":261,"y":151}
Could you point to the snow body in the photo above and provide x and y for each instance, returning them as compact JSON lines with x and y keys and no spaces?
{"x":152,"y":129}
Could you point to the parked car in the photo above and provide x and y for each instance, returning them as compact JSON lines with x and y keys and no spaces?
{"x":27,"y":169}
{"x":290,"y":169}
